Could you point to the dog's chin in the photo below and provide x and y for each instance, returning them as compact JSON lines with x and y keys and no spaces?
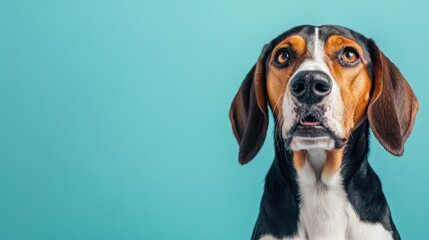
{"x":311,"y":137}
{"x":304,"y":143}
{"x":315,"y":136}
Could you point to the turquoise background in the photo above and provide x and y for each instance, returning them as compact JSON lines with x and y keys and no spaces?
{"x":114,"y":114}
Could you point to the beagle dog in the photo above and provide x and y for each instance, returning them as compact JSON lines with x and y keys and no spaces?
{"x":326,"y":86}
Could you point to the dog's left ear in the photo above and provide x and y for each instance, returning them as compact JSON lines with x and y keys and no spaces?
{"x":393,"y":106}
{"x":249,"y":113}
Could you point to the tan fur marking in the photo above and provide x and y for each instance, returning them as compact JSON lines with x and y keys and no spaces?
{"x":278,"y":78}
{"x":333,"y":161}
{"x":354,"y":82}
{"x":299,"y":159}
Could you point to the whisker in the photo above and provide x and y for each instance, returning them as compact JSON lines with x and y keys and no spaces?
{"x":277,"y":101}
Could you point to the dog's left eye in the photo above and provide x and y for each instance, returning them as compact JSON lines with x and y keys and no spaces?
{"x":282,"y":58}
{"x":349,"y":57}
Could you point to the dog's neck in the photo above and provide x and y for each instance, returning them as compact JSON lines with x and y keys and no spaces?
{"x":353,"y":158}
{"x":316,"y":158}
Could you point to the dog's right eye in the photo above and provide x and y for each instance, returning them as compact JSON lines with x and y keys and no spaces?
{"x":282,"y":58}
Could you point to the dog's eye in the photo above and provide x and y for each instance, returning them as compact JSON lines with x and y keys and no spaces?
{"x":282,"y":58}
{"x":349,"y":56}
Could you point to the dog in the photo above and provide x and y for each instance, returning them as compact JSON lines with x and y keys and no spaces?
{"x":326,"y":86}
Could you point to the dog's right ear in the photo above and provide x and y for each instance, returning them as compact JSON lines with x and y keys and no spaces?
{"x":249,"y":112}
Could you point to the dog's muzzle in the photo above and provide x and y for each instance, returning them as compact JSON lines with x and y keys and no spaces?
{"x":311,"y":126}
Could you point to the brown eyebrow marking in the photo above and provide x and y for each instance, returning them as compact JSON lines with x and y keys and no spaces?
{"x":295,"y":42}
{"x":336,"y":42}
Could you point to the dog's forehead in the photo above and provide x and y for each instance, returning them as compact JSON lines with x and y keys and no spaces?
{"x":309,"y":33}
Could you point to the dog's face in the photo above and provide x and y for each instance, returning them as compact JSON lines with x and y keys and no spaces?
{"x":318,"y":86}
{"x":321,"y":83}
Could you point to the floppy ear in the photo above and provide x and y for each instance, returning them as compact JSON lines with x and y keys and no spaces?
{"x":248,"y":113}
{"x":393,"y":106}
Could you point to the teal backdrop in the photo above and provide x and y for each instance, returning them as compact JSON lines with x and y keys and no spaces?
{"x":114,"y":114}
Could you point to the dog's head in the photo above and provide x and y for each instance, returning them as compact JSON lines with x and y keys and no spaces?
{"x":321,"y":83}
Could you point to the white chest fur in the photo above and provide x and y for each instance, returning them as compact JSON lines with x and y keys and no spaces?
{"x":325,"y":212}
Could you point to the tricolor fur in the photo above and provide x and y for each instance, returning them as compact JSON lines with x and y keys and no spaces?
{"x":326,"y":86}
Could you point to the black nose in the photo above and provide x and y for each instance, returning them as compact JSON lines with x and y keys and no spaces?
{"x":310,"y":86}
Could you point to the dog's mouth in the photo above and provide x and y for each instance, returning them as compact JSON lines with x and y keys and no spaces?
{"x":310,"y":127}
{"x":312,"y":131}
{"x":309,"y":121}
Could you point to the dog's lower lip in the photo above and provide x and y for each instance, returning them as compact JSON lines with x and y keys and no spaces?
{"x":308,"y":123}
